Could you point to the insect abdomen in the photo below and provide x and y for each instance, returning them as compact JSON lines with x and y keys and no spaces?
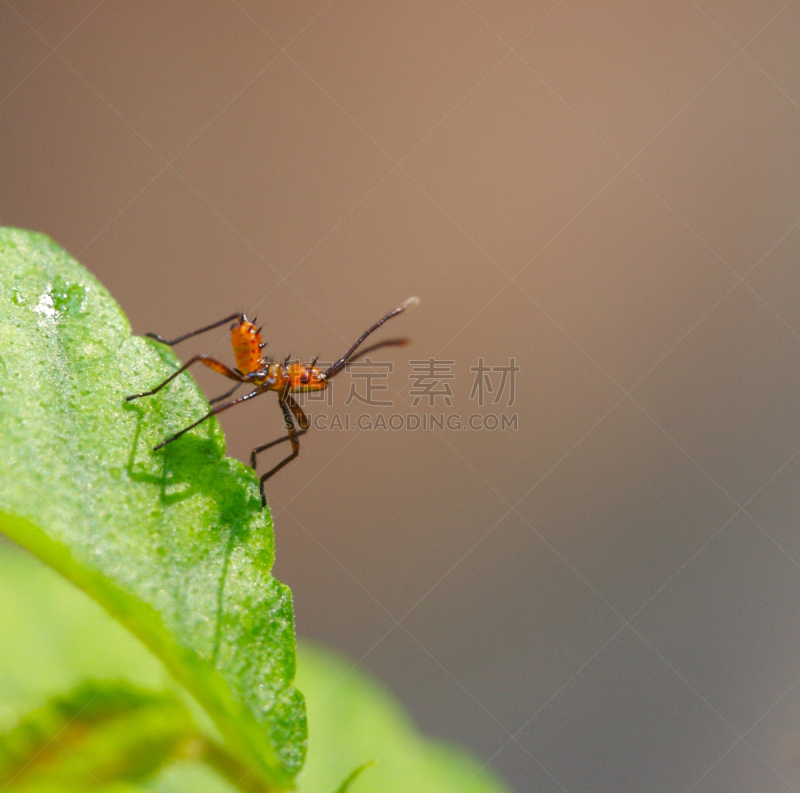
{"x":246,"y":341}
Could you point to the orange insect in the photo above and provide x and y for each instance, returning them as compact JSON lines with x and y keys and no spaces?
{"x":287,"y":378}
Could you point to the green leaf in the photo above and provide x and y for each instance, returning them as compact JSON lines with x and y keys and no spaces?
{"x":103,"y":731}
{"x":52,"y":636}
{"x":174,"y":544}
{"x":352,"y":717}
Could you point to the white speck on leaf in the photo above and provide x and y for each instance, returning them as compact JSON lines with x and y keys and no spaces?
{"x":46,"y":307}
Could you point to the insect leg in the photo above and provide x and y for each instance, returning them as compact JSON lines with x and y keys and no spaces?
{"x":299,"y":416}
{"x":212,"y":363}
{"x":301,"y":420}
{"x":208,"y":415}
{"x":254,"y":454}
{"x":292,"y":437}
{"x":225,"y":395}
{"x":238,"y":315}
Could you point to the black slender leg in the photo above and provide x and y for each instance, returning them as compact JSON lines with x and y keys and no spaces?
{"x":259,"y":449}
{"x":292,"y":437}
{"x":212,"y":363}
{"x":238,"y":316}
{"x":224,"y":396}
{"x":208,"y":415}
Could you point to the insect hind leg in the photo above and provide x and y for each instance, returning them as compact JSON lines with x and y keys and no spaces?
{"x":292,"y":436}
{"x":254,"y":454}
{"x":238,"y":316}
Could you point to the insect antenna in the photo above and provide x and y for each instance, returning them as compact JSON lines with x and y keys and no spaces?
{"x":340,"y":364}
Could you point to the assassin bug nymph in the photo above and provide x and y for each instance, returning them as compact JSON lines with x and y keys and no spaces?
{"x":264,"y":374}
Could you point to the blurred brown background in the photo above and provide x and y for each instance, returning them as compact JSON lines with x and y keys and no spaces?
{"x":609,"y":192}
